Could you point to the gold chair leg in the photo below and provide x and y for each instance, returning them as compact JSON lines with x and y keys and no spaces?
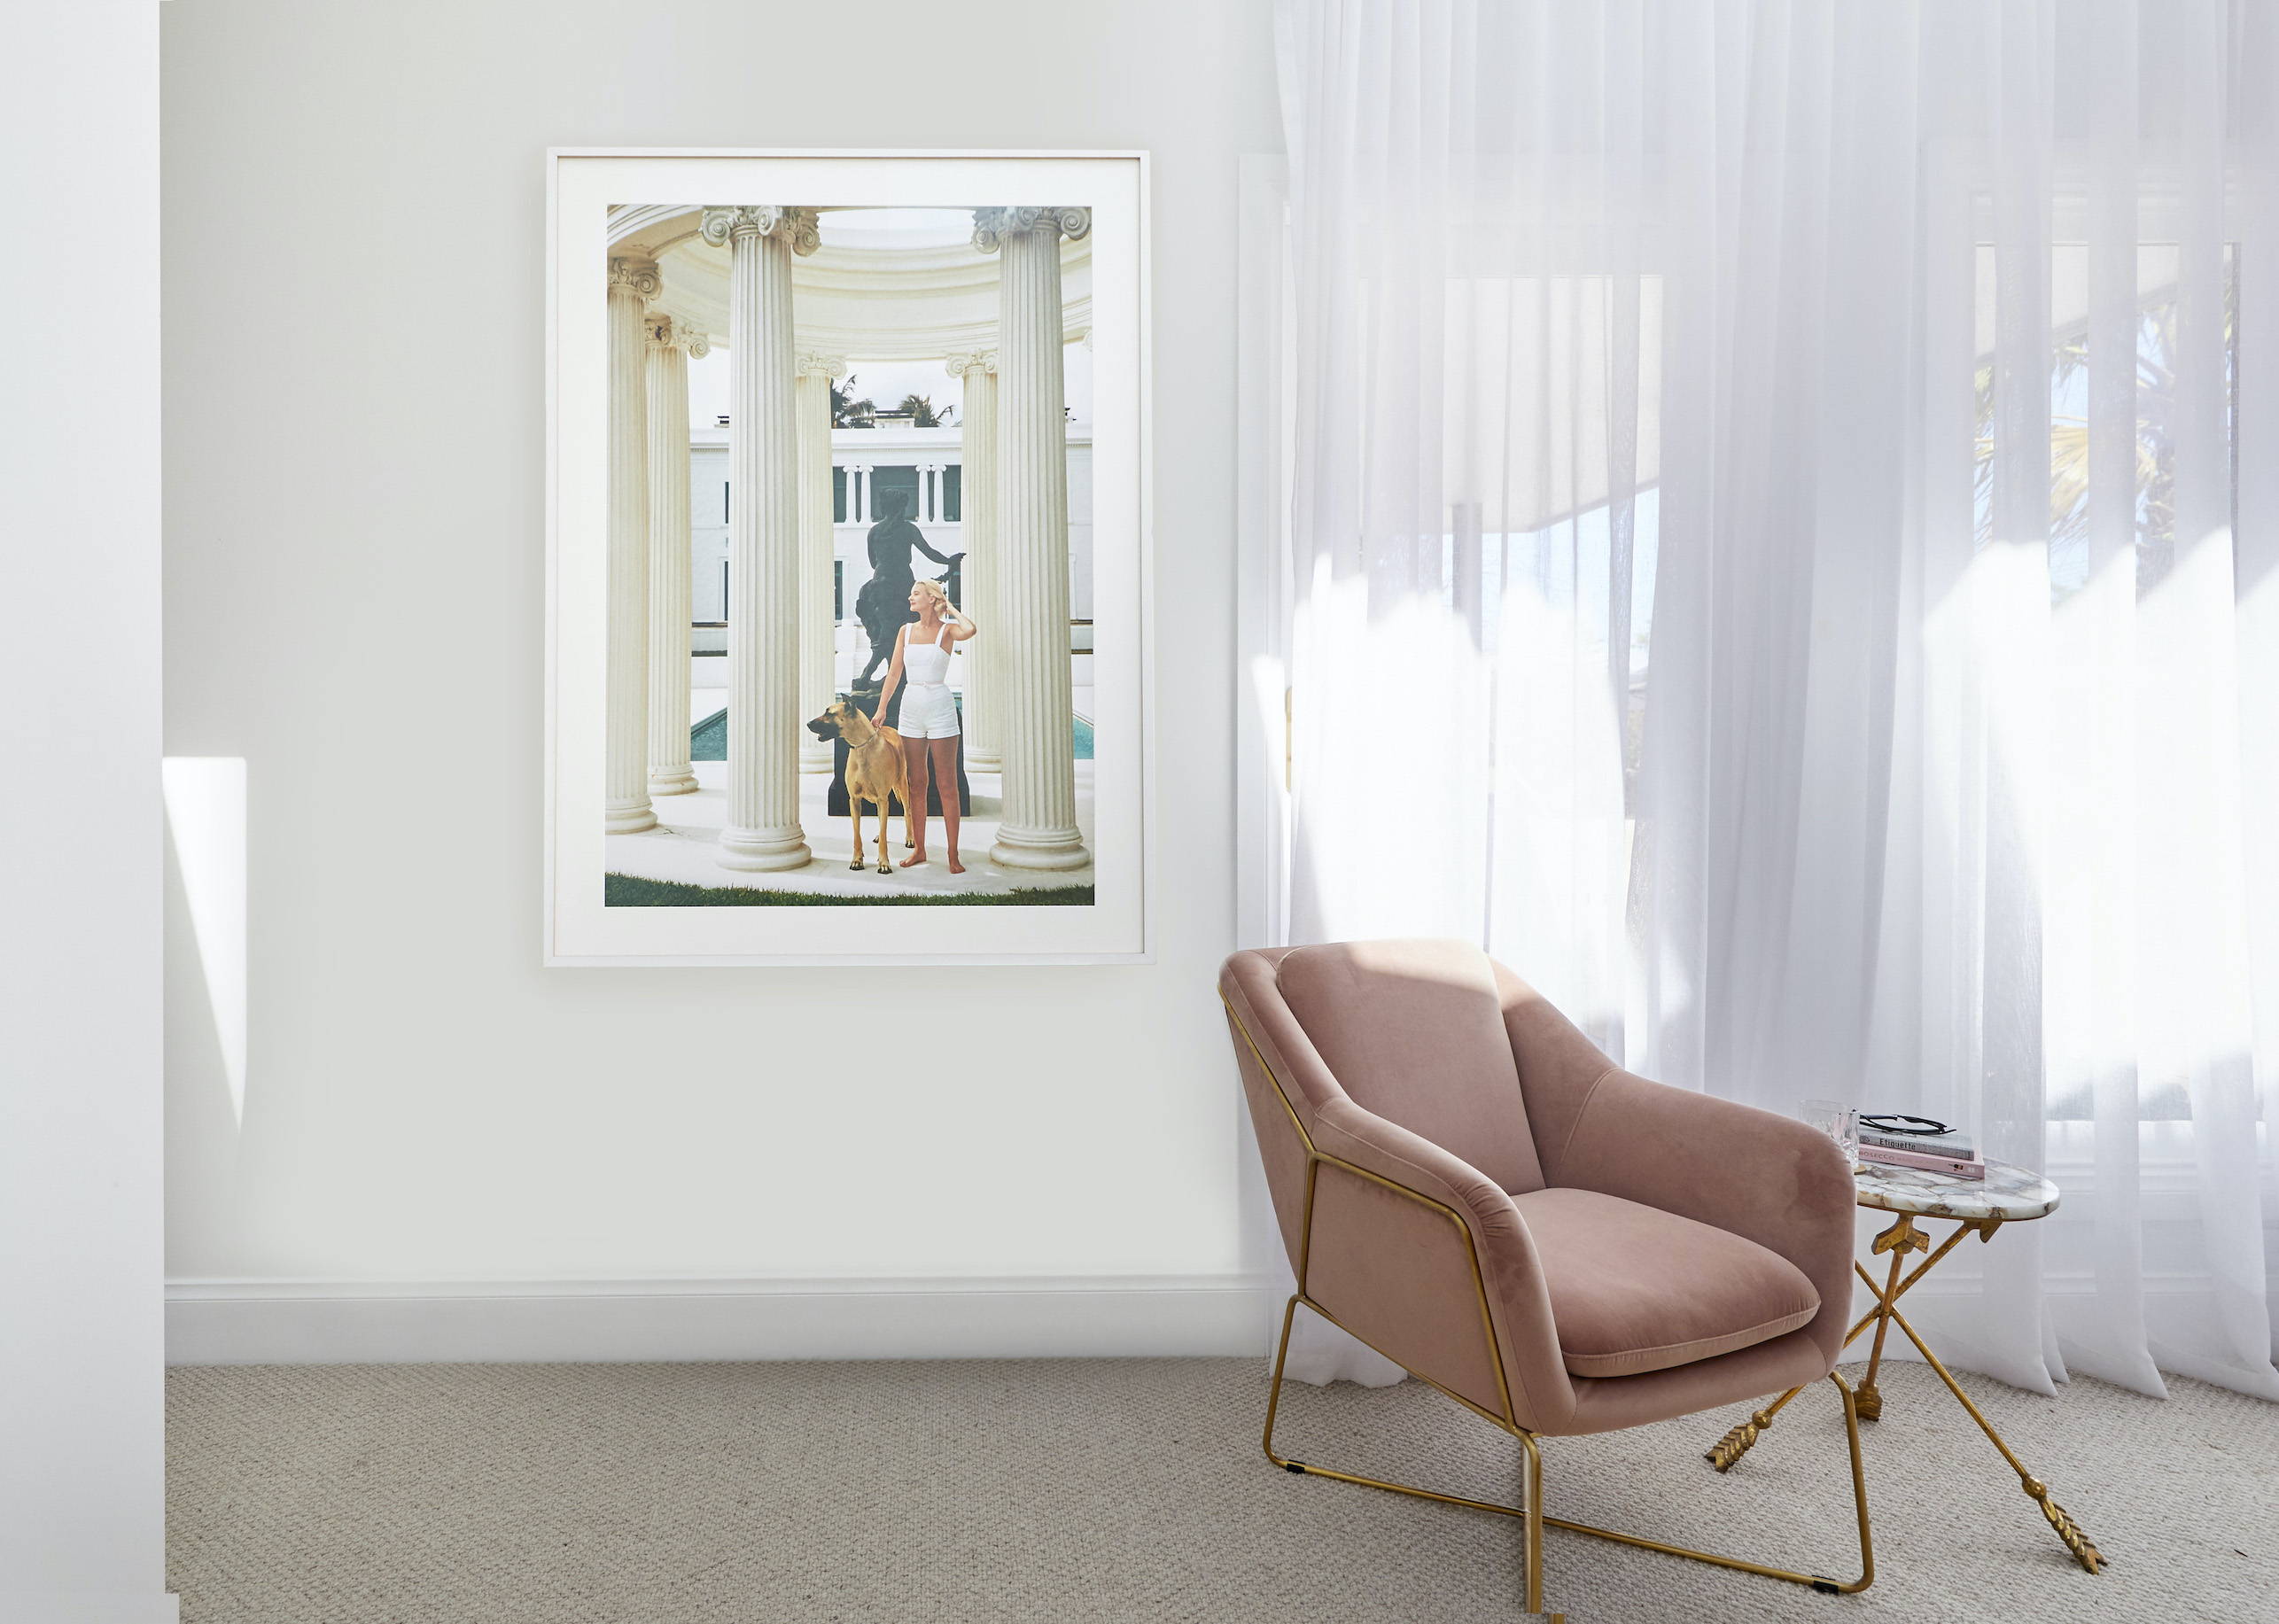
{"x":1531,"y":1510}
{"x":1812,"y":1581}
{"x":1303,"y":1469}
{"x":1531,"y":1525}
{"x":1274,"y":1392}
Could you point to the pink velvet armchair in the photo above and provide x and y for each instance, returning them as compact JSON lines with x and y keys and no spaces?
{"x":1469,"y":1185}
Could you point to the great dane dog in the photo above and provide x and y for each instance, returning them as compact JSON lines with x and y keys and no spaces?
{"x":875,"y":772}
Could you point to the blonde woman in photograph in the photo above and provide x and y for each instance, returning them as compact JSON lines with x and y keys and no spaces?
{"x":929,"y":722}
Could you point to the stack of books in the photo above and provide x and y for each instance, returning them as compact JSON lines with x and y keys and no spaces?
{"x":1951,"y":1153}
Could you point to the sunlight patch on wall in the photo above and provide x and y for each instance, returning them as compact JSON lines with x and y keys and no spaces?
{"x":205,"y":821}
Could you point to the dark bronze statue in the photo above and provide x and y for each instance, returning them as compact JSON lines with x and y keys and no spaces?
{"x":884,"y":603}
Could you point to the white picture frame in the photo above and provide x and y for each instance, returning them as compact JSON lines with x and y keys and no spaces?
{"x":581,"y":928}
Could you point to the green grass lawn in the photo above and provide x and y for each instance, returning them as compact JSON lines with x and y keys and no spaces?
{"x":630,"y":891}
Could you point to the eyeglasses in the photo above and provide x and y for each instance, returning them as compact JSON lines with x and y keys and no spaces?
{"x":1899,"y":1121}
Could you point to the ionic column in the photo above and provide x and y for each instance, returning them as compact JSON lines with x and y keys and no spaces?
{"x":624,"y":769}
{"x":1038,"y":742}
{"x":817,"y":627}
{"x":669,"y":350}
{"x":764,"y":719}
{"x":978,"y":514}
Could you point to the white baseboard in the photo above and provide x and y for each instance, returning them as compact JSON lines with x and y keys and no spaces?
{"x":90,"y":1607}
{"x":316,"y":1322}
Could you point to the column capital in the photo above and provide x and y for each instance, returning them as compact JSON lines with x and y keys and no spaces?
{"x":978,"y":360}
{"x":638,"y":276}
{"x":812,"y":363}
{"x":991,"y":226}
{"x":664,"y":333}
{"x":794,"y":226}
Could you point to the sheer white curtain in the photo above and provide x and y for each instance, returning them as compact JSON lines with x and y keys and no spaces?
{"x":1781,"y":549}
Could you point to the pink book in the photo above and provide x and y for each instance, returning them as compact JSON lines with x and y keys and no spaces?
{"x":1876,"y":1154}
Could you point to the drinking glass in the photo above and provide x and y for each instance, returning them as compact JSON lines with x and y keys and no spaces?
{"x":1839,"y":1122}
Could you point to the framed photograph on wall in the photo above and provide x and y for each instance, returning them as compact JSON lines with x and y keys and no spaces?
{"x":848,"y":558}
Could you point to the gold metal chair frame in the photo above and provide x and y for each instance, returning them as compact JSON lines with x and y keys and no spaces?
{"x":1529,"y":1511}
{"x":1899,"y":1239}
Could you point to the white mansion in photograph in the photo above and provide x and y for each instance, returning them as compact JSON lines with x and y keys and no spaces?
{"x":927,"y":468}
{"x":761,"y":360}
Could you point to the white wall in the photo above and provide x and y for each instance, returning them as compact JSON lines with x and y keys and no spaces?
{"x":440,"y":1139}
{"x":81,"y":1457}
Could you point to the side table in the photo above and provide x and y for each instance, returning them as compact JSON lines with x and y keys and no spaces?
{"x":2007,"y":1195}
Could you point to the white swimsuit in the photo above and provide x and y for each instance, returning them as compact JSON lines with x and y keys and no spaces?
{"x":928,"y":710}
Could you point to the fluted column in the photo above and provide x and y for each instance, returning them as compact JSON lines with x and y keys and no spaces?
{"x":670,"y":347}
{"x":817,"y":625}
{"x":977,"y":516}
{"x":762,"y":831}
{"x":625,"y":768}
{"x":1038,"y":744}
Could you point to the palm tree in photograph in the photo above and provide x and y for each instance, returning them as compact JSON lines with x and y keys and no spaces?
{"x":848,"y":411}
{"x":920,"y":410}
{"x":2155,"y":481}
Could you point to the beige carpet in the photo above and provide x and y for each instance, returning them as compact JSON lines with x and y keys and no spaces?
{"x":1109,"y":1490}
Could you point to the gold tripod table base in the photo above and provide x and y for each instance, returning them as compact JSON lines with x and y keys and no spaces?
{"x":2084,"y":1553}
{"x":1728,"y":1451}
{"x":1867,"y":1401}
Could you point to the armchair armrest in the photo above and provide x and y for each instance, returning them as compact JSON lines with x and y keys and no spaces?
{"x":1766,"y":1177}
{"x":1449,"y":1284}
{"x":1383,"y":1226}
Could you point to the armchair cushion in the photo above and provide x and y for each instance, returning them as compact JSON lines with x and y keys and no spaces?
{"x":1634,"y":1288}
{"x":1414,"y":1033}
